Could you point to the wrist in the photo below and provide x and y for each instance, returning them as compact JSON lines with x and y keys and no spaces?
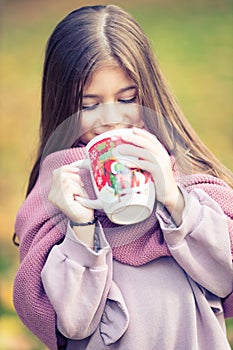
{"x":83,"y":223}
{"x":175,"y":205}
{"x":85,"y":234}
{"x":85,"y":217}
{"x":85,"y":231}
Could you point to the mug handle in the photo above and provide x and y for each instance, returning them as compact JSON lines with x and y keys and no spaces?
{"x":89,"y":203}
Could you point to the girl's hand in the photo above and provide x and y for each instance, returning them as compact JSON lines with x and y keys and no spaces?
{"x":66,"y":186}
{"x":154,"y":158}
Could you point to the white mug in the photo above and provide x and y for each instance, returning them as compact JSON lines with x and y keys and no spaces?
{"x":125,"y":193}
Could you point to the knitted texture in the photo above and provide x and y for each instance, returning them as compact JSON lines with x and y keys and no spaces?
{"x":39,"y":226}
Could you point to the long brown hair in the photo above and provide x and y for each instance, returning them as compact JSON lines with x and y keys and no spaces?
{"x":84,"y":40}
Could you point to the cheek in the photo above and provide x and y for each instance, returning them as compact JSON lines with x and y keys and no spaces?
{"x":87,"y":122}
{"x":130,"y":113}
{"x":136,"y":116}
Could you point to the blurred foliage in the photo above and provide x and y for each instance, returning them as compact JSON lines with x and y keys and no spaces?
{"x":193,"y":43}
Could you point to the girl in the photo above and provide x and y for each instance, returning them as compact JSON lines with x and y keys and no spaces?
{"x":85,"y":282}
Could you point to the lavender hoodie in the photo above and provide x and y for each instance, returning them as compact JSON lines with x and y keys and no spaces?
{"x":167,"y":304}
{"x":40,"y":227}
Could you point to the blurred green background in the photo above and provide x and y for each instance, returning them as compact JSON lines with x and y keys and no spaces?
{"x":193,"y":43}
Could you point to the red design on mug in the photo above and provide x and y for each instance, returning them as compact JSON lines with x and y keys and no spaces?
{"x":109,"y":172}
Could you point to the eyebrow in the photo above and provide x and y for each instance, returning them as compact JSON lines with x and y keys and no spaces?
{"x":128,"y":88}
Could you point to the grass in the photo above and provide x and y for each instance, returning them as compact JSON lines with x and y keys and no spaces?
{"x":193,"y":44}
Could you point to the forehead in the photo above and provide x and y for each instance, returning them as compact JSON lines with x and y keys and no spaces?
{"x":110,"y":76}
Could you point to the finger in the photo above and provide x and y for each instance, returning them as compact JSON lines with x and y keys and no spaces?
{"x":66,"y":169}
{"x":72,"y":177}
{"x":144,"y":133}
{"x":64,"y":174}
{"x":82,"y":201}
{"x":66,"y":185}
{"x":80,"y":192}
{"x":144,"y":139}
{"x":135,"y":152}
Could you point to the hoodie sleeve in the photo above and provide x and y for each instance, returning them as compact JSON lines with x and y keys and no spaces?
{"x":39,"y":226}
{"x":201,"y":244}
{"x":78,"y":282}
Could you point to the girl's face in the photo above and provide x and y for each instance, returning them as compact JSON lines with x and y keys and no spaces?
{"x":110,"y":101}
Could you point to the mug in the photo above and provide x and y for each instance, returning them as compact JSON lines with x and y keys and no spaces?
{"x":125,"y":192}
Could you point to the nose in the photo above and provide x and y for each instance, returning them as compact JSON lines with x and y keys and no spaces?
{"x":111,"y":114}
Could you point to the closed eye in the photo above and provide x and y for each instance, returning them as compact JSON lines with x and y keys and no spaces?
{"x":90,"y":107}
{"x":128,"y":100}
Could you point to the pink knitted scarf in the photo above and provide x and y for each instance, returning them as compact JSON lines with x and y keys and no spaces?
{"x":40,"y":226}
